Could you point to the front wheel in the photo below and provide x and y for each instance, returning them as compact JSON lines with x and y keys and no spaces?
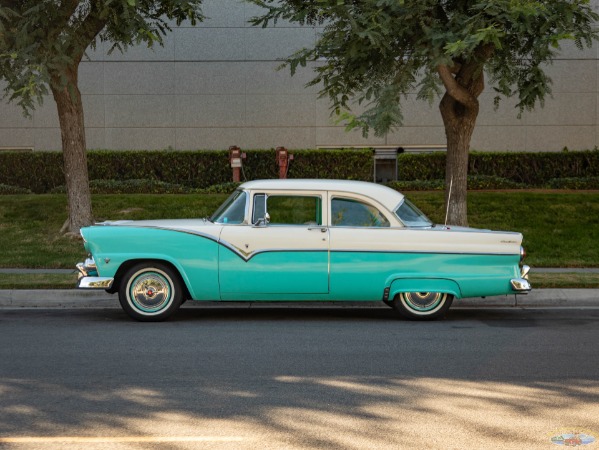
{"x":422,"y":305}
{"x":150,"y":292}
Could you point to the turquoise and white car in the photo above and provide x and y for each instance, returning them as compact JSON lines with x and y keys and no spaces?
{"x":302,"y":240}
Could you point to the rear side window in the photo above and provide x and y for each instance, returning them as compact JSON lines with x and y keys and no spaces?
{"x":353,"y":213}
{"x":294,"y":210}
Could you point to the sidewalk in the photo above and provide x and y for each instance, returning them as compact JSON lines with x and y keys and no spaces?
{"x":73,"y":298}
{"x":76,"y":298}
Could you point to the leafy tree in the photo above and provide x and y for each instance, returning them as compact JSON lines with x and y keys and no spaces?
{"x":42,"y":43}
{"x":373,"y":52}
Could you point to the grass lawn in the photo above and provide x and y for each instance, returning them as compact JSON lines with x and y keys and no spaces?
{"x":561,"y":229}
{"x":38,"y":281}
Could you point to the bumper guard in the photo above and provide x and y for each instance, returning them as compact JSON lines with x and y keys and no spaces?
{"x":88,"y":276}
{"x":522,"y":285}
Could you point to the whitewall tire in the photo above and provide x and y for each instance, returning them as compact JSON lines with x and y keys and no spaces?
{"x":150,"y":292}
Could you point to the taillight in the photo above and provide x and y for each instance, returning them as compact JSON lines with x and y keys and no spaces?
{"x":522,"y":253}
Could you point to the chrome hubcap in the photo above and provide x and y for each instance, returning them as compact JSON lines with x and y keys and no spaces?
{"x":150,"y":292}
{"x":423,"y":301}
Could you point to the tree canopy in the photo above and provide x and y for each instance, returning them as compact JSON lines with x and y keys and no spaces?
{"x":374,"y":52}
{"x":42,"y":43}
{"x":41,"y":39}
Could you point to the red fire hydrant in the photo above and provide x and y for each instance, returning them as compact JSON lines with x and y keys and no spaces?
{"x":283,"y":158}
{"x":236,"y":160}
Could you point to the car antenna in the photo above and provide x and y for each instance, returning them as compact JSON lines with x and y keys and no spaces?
{"x":448,"y":200}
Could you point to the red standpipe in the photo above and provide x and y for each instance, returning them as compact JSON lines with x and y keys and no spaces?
{"x":236,"y":161}
{"x":283,"y":158}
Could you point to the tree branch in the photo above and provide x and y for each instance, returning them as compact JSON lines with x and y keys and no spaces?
{"x":86,"y":31}
{"x":457,"y":92}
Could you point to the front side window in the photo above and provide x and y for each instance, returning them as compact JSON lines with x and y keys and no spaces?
{"x":352,"y":213}
{"x":232,"y":211}
{"x":294,"y":210}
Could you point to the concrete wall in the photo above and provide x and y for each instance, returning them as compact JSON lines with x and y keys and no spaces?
{"x":214,"y":85}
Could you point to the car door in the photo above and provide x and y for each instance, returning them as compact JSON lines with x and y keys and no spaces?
{"x":360,"y":234}
{"x":286,"y":254}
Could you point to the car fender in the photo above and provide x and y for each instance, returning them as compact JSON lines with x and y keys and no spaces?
{"x":118,"y":261}
{"x":443,"y":285}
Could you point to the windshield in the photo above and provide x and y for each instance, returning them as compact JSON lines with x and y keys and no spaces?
{"x":411,"y":216}
{"x":232,"y":210}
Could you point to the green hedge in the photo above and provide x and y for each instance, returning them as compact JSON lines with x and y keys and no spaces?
{"x":475,"y":183}
{"x":185,"y":171}
{"x":41,"y":172}
{"x":12,"y":190}
{"x":574,"y":183}
{"x":532,"y":169}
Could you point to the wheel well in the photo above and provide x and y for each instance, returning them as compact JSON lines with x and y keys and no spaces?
{"x":132,"y":262}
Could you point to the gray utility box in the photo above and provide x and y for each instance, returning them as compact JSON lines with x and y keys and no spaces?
{"x":385,"y":164}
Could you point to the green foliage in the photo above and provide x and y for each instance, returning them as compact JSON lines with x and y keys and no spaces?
{"x":374,"y":52}
{"x":192,"y":169}
{"x":42,"y":43}
{"x":574,"y":183}
{"x":141,"y":187}
{"x":475,"y":183}
{"x":532,"y":169}
{"x":178,"y":171}
{"x":37,"y":171}
{"x":10,"y":190}
{"x":209,"y":171}
{"x":130,"y":187}
{"x":223,"y":188}
{"x":332,"y":164}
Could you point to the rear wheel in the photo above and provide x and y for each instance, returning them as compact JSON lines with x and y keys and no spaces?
{"x":150,"y":292}
{"x":422,"y":305}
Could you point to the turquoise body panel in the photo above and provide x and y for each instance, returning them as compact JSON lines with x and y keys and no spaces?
{"x":214,"y":271}
{"x":195,"y":257}
{"x":363,"y":275}
{"x":275,"y":272}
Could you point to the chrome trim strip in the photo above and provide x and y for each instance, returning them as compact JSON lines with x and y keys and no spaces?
{"x":249,"y":256}
{"x":95,"y":282}
{"x":520,"y":285}
{"x":179,"y":230}
{"x":418,"y":252}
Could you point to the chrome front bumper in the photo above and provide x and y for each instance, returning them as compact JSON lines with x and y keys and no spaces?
{"x":88,"y":276}
{"x":522,"y":285}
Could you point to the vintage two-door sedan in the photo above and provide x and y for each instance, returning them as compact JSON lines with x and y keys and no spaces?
{"x":296,"y":240}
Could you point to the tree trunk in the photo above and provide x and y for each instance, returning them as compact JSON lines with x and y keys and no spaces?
{"x":459,"y":122}
{"x":464,"y":82}
{"x":70,"y":115}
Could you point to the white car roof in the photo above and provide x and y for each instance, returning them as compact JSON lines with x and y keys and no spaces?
{"x":388,"y":197}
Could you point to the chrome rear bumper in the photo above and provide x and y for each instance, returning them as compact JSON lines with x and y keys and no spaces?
{"x":88,"y":278}
{"x":522,"y":285}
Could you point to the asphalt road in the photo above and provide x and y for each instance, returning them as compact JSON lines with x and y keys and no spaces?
{"x":268,"y":378}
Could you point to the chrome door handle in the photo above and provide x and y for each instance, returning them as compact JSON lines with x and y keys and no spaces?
{"x":322,"y":229}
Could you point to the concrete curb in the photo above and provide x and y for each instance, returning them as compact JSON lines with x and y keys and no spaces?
{"x":74,"y":298}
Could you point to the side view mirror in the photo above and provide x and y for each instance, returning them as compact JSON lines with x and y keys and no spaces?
{"x":263,"y":221}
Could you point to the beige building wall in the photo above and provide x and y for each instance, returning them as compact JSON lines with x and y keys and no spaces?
{"x":215,"y":85}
